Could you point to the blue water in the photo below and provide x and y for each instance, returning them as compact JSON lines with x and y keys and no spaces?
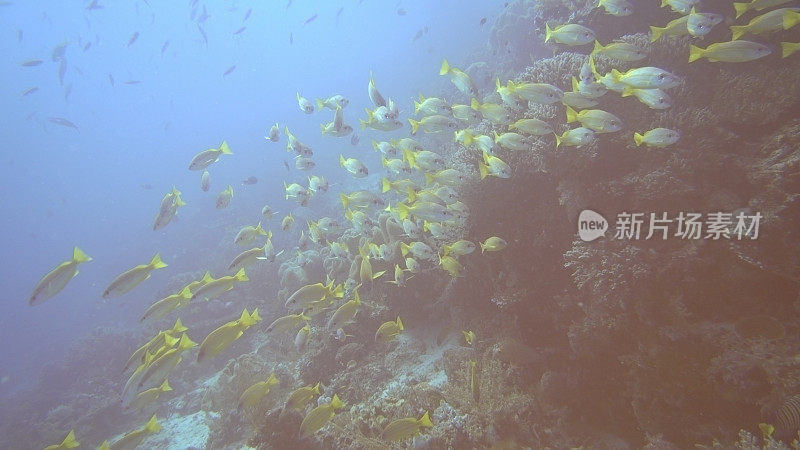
{"x":64,"y":187}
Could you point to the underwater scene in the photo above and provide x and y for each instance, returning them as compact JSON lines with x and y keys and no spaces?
{"x":364,"y":224}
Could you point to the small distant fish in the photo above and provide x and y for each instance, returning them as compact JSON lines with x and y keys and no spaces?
{"x":338,"y":13}
{"x":67,"y":91}
{"x":62,"y":69}
{"x":240,"y":30}
{"x":133,"y":38}
{"x":19,"y":35}
{"x":205,"y":39}
{"x":354,"y":139}
{"x":63,"y":122}
{"x":247,"y":15}
{"x":291,"y":37}
{"x":31,"y":63}
{"x":401,"y":11}
{"x":30,"y":91}
{"x":93,"y":5}
{"x":310,"y":19}
{"x":289,"y":4}
{"x":87,"y":46}
{"x":483,"y":21}
{"x":111,"y":79}
{"x":203,"y":17}
{"x":418,"y":35}
{"x":250,"y":180}
{"x":132,"y":82}
{"x":164,"y":47}
{"x":228,"y":72}
{"x":285,"y":164}
{"x":58,"y":51}
{"x":147,"y":186}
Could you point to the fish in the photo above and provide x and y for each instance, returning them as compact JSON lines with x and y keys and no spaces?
{"x":459,"y":248}
{"x":87,"y":46}
{"x":203,"y":33}
{"x":167,"y":304}
{"x":310,"y":19}
{"x":31,"y":63}
{"x":55,"y":280}
{"x":224,"y":198}
{"x":569,"y":34}
{"x":205,"y":158}
{"x":577,"y":137}
{"x":245,"y":259}
{"x":482,"y":22}
{"x":733,"y":51}
{"x":164,"y":47}
{"x":424,"y":210}
{"x":700,"y":24}
{"x":94,"y":4}
{"x":69,"y":442}
{"x":222,"y":337}
{"x":305,"y":105}
{"x":777,"y":19}
{"x":495,"y":113}
{"x":213,"y":288}
{"x":374,"y":95}
{"x":111,"y":80}
{"x":653,"y":98}
{"x":450,"y":177}
{"x":333,"y":102}
{"x":354,"y":166}
{"x":402,"y":429}
{"x":595,"y":119}
{"x":240,"y":30}
{"x":494,"y":166}
{"x":229,"y":70}
{"x":646,"y":78}
{"x":145,"y":398}
{"x":29,"y":91}
{"x":67,"y":91}
{"x":250,"y":180}
{"x":287,"y":222}
{"x":291,"y":38}
{"x":389,"y":330}
{"x":756,"y":5}
{"x":787,"y":48}
{"x":59,"y":51}
{"x":247,"y":14}
{"x":256,"y":392}
{"x":619,"y":8}
{"x":534,"y":127}
{"x":128,"y":280}
{"x":621,"y":51}
{"x":493,"y":244}
{"x":460,"y":79}
{"x":431,"y":106}
{"x":63,"y":122}
{"x":274,"y":133}
{"x":360,"y":199}
{"x":319,"y":416}
{"x":677,"y":27}
{"x":303,"y":163}
{"x":168,"y":209}
{"x":267,"y":212}
{"x":301,"y":397}
{"x":286,"y":323}
{"x":450,"y":265}
{"x":401,"y":11}
{"x":657,"y":137}
{"x":511,"y":141}
{"x":132,"y":439}
{"x":433,"y":124}
{"x":131,"y":82}
{"x":248,"y":234}
{"x":469,"y":337}
{"x":543,"y":93}
{"x":301,"y":338}
{"x":680,"y":6}
{"x":205,"y":181}
{"x":133,"y":38}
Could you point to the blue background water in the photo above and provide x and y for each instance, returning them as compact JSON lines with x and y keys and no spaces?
{"x":62,"y":187}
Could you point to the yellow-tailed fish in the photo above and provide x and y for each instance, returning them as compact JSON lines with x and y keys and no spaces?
{"x":52,"y":283}
{"x":206,"y":157}
{"x":576,"y":137}
{"x":511,"y":141}
{"x":621,"y":51}
{"x":131,"y":278}
{"x":646,"y":78}
{"x":314,"y":292}
{"x":402,"y":429}
{"x":224,"y":198}
{"x":205,"y":181}
{"x":145,"y":398}
{"x":354,"y":166}
{"x":680,"y":6}
{"x":430,"y":106}
{"x":534,"y":127}
{"x":595,"y":119}
{"x":787,"y":48}
{"x":248,"y":234}
{"x":494,"y":166}
{"x":653,"y":98}
{"x":159,"y":368}
{"x":305,"y":105}
{"x":733,"y":51}
{"x":469,"y":337}
{"x":319,"y":416}
{"x":301,"y":338}
{"x":677,"y":27}
{"x":302,"y":397}
{"x":777,"y":19}
{"x":569,"y":34}
{"x":657,"y":137}
{"x":246,"y":258}
{"x":389,"y":330}
{"x":578,"y":100}
{"x":274,"y":133}
{"x":287,"y":222}
{"x":256,"y":392}
{"x":132,"y":439}
{"x":461,"y":80}
{"x":756,"y":5}
{"x":493,"y":244}
{"x":700,"y":24}
{"x":333,"y":102}
{"x":459,"y":248}
{"x":287,"y":323}
{"x":619,"y":8}
{"x":450,"y":265}
{"x":493,"y":112}
{"x":374,"y":95}
{"x":213,"y":288}
{"x":433,"y":124}
{"x":68,"y":442}
{"x":222,"y":337}
{"x":163,"y":307}
{"x":542,"y":93}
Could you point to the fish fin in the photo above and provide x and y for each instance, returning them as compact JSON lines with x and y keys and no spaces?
{"x":597,"y":46}
{"x":738,"y":30}
{"x":156,"y":262}
{"x":345,"y":200}
{"x":414,"y":126}
{"x":224,"y":149}
{"x":377,"y":275}
{"x":320,"y":105}
{"x":474,"y":104}
{"x":572,"y":116}
{"x":79,"y":256}
{"x":695,"y":52}
{"x":425,"y":420}
{"x":241,"y":276}
{"x":637,"y":138}
{"x":152,"y":425}
{"x":484,"y":169}
{"x":741,"y":8}
{"x":548,"y":32}
{"x":445,"y":67}
{"x":386,"y":186}
{"x":558,"y":143}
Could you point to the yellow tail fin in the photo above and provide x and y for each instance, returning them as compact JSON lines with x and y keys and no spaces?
{"x":695,"y":53}
{"x":156,"y":262}
{"x":738,"y":31}
{"x":241,"y":276}
{"x":445,"y":67}
{"x":152,"y":425}
{"x":787,"y":48}
{"x":548,"y":33}
{"x":386,"y":186}
{"x":572,"y":116}
{"x":414,"y":125}
{"x":637,"y":139}
{"x":69,"y":441}
{"x":656,"y":33}
{"x":224,"y":149}
{"x":79,"y":256}
{"x":741,"y":8}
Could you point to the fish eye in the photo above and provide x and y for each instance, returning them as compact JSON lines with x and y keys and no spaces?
{"x":661,"y":76}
